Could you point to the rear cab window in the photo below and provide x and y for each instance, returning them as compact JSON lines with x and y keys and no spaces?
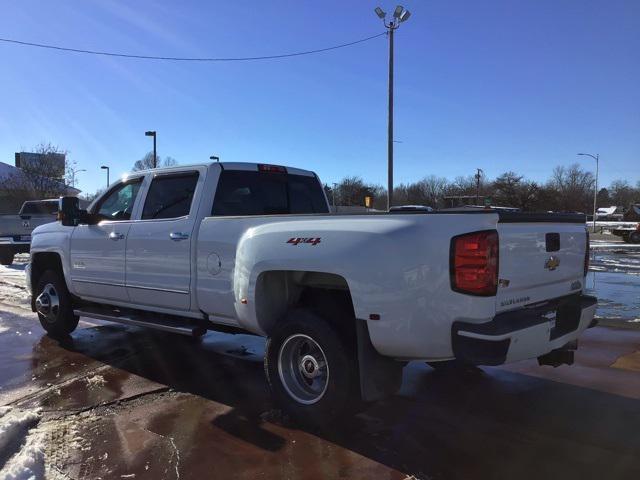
{"x":36,"y":208}
{"x":243,"y":193}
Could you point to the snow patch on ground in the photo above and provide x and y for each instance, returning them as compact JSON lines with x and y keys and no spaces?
{"x":16,"y":433}
{"x":96,"y":381}
{"x":33,"y":447}
{"x":14,"y":424}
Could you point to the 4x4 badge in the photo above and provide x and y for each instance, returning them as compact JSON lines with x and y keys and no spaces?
{"x":552,"y":263}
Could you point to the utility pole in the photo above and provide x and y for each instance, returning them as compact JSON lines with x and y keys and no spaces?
{"x":400,"y":14}
{"x":478,"y":176}
{"x":390,"y":123}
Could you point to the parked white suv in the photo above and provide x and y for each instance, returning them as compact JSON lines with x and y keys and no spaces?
{"x":344,"y":300}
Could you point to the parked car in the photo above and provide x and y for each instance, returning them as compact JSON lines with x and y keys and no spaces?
{"x":629,"y":232}
{"x":15,"y":230}
{"x":344,"y":300}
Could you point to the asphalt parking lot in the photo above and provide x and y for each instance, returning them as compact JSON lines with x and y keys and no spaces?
{"x":122,"y":402}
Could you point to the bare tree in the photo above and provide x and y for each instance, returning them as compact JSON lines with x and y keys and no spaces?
{"x":146,"y":162}
{"x":623,"y":194}
{"x":353,"y":190}
{"x":428,"y":191}
{"x":574,"y":188}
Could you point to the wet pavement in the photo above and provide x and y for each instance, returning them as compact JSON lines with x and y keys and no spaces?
{"x":614,"y":277}
{"x":119,"y":402}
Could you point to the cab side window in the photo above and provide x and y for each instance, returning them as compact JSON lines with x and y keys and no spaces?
{"x":170,"y":196}
{"x":118,"y":203}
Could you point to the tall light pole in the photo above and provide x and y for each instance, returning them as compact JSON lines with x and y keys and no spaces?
{"x":73,"y":175}
{"x":400,"y":14}
{"x":152,"y":133}
{"x":596,"y":157}
{"x":104,"y":167}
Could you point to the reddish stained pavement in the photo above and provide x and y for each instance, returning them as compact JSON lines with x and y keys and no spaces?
{"x":159,"y":406}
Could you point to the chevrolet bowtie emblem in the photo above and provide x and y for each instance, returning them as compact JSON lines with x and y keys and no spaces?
{"x":552,"y":263}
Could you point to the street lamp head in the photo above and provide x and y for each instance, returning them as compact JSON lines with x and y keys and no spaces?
{"x":150,"y":133}
{"x":104,"y":167}
{"x":398,"y":11}
{"x":381,"y":14}
{"x":404,"y":16}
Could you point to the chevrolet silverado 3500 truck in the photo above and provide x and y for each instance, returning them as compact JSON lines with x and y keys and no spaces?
{"x":345,"y":301}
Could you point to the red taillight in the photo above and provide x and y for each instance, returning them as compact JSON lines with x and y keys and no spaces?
{"x":271,"y":168}
{"x":586,"y":255}
{"x":474,"y":263}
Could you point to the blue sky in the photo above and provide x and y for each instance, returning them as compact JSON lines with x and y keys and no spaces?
{"x":496,"y":84}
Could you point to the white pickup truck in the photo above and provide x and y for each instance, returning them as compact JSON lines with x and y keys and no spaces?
{"x":344,"y":300}
{"x":15,"y":230}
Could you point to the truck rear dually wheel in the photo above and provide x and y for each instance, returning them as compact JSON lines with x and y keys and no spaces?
{"x":54,"y":306}
{"x":311,"y":369}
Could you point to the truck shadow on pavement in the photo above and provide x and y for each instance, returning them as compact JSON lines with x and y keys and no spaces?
{"x":489,"y":424}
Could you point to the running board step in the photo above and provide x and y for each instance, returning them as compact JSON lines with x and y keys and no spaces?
{"x":158,"y":321}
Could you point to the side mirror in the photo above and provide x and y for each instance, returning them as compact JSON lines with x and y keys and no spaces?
{"x":69,"y":211}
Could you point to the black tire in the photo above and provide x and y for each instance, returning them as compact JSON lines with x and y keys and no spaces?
{"x":6,"y":257}
{"x":634,"y":237}
{"x":58,"y":319}
{"x":340,"y":397}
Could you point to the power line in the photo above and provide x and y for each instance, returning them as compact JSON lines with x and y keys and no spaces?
{"x":187,"y":59}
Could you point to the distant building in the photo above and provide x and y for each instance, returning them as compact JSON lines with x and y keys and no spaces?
{"x":53,"y":163}
{"x":16,"y":186}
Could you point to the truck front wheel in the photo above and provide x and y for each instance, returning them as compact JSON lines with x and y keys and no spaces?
{"x":634,"y":237}
{"x":54,"y":306}
{"x":311,"y":369}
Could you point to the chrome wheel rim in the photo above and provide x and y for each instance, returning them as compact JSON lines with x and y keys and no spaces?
{"x":303,"y":369}
{"x":48,"y":303}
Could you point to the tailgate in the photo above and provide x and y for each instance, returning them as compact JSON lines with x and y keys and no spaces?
{"x":539,"y":260}
{"x":12,"y":225}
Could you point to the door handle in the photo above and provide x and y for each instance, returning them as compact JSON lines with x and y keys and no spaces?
{"x":177,"y":236}
{"x":116,"y":236}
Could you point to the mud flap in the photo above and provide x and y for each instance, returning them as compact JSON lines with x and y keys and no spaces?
{"x":380,"y":376}
{"x":559,"y":356}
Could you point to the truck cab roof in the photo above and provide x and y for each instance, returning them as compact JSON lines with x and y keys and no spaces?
{"x":247,"y":166}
